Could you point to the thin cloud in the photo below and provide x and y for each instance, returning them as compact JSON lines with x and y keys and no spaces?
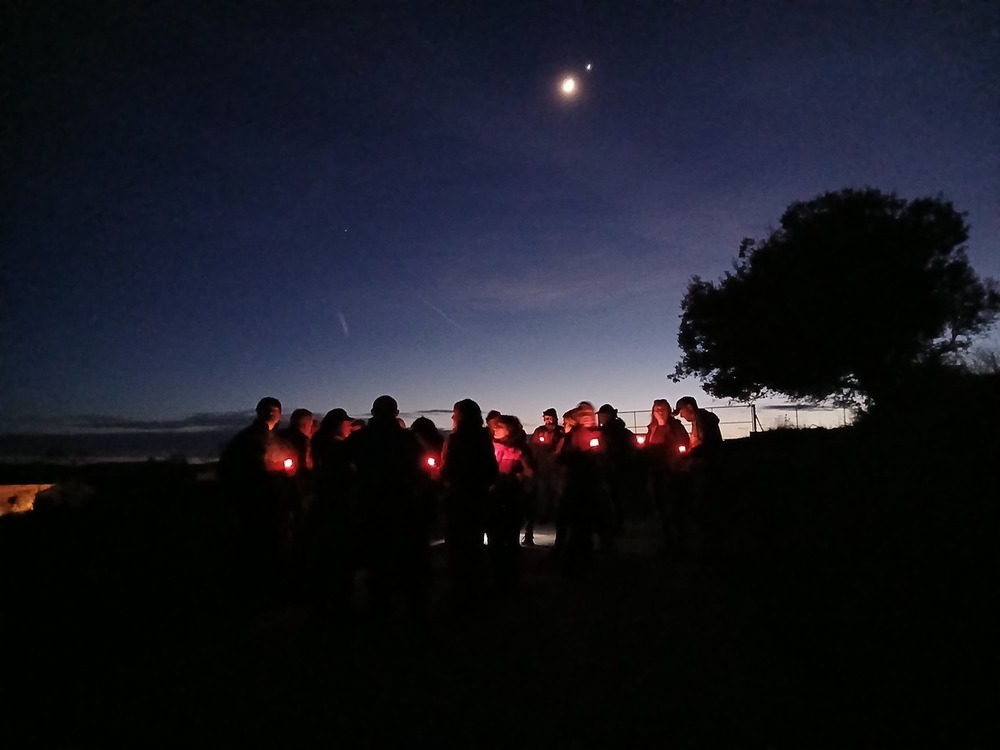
{"x":581,"y":279}
{"x":343,"y":324}
{"x":440,"y":312}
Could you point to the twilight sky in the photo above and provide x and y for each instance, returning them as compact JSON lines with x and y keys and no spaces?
{"x":329,"y":201}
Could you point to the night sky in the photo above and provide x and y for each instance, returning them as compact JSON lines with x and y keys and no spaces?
{"x":209,"y":203}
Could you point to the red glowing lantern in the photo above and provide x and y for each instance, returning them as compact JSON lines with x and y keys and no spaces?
{"x":432,"y":462}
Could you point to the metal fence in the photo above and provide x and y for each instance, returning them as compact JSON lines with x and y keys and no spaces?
{"x":741,"y":420}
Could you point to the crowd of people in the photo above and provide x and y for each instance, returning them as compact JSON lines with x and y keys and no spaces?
{"x":321,"y":501}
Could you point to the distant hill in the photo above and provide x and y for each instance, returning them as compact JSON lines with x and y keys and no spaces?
{"x":84,"y":447}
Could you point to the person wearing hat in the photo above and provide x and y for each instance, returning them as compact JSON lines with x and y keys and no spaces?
{"x":328,"y":445}
{"x":544,"y":500}
{"x":329,"y":535}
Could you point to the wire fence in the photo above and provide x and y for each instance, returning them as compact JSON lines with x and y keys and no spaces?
{"x":741,"y":420}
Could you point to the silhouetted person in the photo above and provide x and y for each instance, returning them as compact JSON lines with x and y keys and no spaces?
{"x":431,"y":441}
{"x":505,"y":507}
{"x":706,"y":436}
{"x":392,"y":524}
{"x":582,"y":454}
{"x":251,"y":468}
{"x":430,"y":491}
{"x":569,"y":423}
{"x":246,"y":457}
{"x":544,"y":444}
{"x":297,"y":438}
{"x":469,"y":468}
{"x":703,"y":462}
{"x":298,"y":435}
{"x":667,"y":444}
{"x":620,"y":460}
{"x":329,"y":437}
{"x":330,"y":529}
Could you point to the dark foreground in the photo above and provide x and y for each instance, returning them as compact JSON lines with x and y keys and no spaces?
{"x":846,"y":596}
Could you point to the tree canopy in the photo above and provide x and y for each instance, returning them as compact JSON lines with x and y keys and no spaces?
{"x":852,"y":291}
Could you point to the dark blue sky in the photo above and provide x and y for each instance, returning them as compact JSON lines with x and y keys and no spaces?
{"x":325,"y":202}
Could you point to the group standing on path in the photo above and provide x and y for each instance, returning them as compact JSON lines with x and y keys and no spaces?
{"x":319,"y":502}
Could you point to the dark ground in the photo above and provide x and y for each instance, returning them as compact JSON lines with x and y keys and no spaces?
{"x":847,"y":596}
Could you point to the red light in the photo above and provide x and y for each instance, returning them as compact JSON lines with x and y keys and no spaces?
{"x":594,"y":442}
{"x":431,"y":462}
{"x":640,"y":439}
{"x":289,"y":463}
{"x":541,"y":438}
{"x":682,"y":449}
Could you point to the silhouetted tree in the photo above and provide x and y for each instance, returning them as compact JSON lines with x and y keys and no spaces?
{"x":853,"y":290}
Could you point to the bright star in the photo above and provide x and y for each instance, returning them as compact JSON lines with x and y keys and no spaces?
{"x":568,"y":86}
